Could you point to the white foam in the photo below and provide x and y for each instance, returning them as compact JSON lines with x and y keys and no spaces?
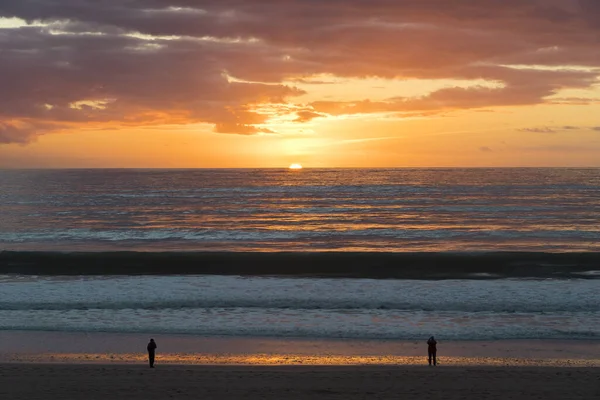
{"x":356,"y":308}
{"x":588,"y":273}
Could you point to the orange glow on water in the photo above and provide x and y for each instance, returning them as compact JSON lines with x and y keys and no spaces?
{"x":292,"y":359}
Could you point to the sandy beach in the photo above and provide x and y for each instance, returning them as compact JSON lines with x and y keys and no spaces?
{"x":98,"y":347}
{"x":35,"y":365}
{"x":102,"y":381}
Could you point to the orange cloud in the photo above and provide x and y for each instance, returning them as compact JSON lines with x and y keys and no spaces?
{"x":210,"y":61}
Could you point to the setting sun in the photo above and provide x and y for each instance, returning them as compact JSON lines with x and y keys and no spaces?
{"x":295,"y":166}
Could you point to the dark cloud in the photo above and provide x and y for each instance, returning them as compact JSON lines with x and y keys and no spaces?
{"x":305,"y":116}
{"x":10,"y":133}
{"x":240,"y":129}
{"x":591,"y":11}
{"x":546,"y":129}
{"x":146,"y":62}
{"x":579,"y":101}
{"x":519,"y":88}
{"x":486,"y":149}
{"x":539,"y":130}
{"x":74,"y":78}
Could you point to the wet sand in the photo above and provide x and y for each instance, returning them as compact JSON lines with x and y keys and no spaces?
{"x":46,"y":365}
{"x":84,"y":347}
{"x":118,"y":381}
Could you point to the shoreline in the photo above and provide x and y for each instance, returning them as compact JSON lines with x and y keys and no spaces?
{"x":373,"y":265}
{"x":76,"y":347}
{"x":292,"y":360}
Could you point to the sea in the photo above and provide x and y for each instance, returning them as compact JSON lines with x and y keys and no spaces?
{"x":434,"y":211}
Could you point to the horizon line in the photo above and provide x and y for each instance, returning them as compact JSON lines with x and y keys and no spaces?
{"x":283,"y":168}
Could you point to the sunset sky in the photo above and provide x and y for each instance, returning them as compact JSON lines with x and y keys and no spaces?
{"x":324,"y":83}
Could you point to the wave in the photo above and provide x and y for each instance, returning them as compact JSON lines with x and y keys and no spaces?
{"x":373,"y":265}
{"x":379,"y":230}
{"x":307,"y":304}
{"x":514,"y":334}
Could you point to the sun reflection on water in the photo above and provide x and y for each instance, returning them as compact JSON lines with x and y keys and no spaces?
{"x":295,"y":359}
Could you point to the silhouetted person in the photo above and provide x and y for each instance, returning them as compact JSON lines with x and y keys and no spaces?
{"x":432,"y":350}
{"x":151,"y":352}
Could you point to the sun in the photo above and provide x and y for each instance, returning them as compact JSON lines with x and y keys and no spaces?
{"x":295,"y":166}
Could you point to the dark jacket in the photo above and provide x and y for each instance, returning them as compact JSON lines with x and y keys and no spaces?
{"x":432,"y":345}
{"x":151,"y":347}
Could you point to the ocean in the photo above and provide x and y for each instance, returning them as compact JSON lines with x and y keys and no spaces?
{"x":363,"y":309}
{"x":395,"y":210}
{"x":543,"y":221}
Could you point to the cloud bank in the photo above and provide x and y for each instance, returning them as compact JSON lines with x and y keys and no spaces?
{"x":147,"y":62}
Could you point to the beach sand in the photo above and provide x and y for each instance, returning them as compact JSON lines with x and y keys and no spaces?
{"x":60,"y":365}
{"x":84,"y":347}
{"x":120,"y":381}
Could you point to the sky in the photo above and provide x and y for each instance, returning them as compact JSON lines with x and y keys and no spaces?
{"x":323,"y":83}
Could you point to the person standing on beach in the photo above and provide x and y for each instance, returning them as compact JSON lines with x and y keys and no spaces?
{"x":432,"y":350}
{"x":151,"y":352}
